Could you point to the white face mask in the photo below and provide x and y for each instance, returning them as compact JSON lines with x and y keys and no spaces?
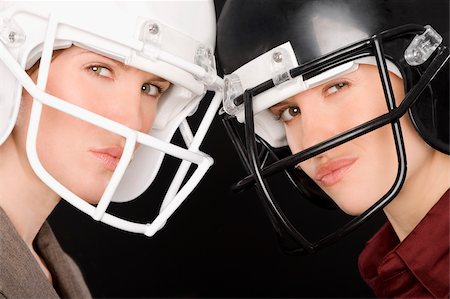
{"x":155,"y":37}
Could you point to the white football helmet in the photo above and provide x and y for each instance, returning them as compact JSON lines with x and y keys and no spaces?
{"x":171,"y":39}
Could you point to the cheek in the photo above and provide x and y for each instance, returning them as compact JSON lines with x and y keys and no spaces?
{"x":418,"y":153}
{"x":398,"y":88}
{"x":23,"y":116}
{"x":292,"y":140}
{"x":72,"y":85}
{"x":58,"y":144}
{"x":294,"y":136}
{"x":59,"y":132}
{"x":148,"y":115}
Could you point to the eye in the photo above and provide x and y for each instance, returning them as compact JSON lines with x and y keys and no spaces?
{"x":289,"y":113}
{"x":335,"y":88}
{"x":101,"y":71}
{"x":151,"y":90}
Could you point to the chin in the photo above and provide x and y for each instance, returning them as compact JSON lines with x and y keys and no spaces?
{"x":93,"y":200}
{"x":352,"y":210}
{"x":355,"y":204}
{"x":90,"y":190}
{"x":352,"y":203}
{"x":91,"y":194}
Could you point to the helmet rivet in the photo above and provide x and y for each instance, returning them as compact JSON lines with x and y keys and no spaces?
{"x":277,"y":57}
{"x":10,"y":33}
{"x":12,"y":36}
{"x":153,"y":28}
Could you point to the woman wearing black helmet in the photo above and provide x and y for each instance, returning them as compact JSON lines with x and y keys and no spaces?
{"x":358,"y":90}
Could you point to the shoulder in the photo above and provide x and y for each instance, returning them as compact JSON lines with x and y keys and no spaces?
{"x":20,"y":275}
{"x":66,"y":272}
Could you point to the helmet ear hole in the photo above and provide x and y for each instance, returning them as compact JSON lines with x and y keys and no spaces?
{"x":430,"y":113}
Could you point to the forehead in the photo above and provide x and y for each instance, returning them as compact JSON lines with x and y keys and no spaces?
{"x":74,"y":52}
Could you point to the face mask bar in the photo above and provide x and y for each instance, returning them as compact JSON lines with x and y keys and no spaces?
{"x":192,"y":155}
{"x":258,"y":174}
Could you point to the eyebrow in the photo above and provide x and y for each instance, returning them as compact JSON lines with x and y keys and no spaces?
{"x":283,"y":103}
{"x":121,"y":65}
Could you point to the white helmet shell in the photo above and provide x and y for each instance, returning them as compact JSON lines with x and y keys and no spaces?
{"x":171,"y":39}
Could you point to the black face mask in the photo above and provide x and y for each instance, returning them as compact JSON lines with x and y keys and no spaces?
{"x":426,"y":101}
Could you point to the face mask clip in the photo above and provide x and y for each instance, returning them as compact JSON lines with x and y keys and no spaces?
{"x":231,"y":90}
{"x":281,"y":65}
{"x":10,"y":33}
{"x":204,"y":58}
{"x":151,"y":36}
{"x":422,"y":46}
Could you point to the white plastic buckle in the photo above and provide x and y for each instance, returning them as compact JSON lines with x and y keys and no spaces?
{"x":151,"y":36}
{"x":10,"y":33}
{"x":231,"y":90}
{"x":204,"y":58}
{"x":422,"y":46}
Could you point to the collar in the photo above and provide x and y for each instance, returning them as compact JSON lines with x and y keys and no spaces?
{"x":424,"y":252}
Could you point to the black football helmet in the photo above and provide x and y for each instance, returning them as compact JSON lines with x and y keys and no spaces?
{"x":271,"y":50}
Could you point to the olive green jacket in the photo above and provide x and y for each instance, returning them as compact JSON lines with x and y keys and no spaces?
{"x":21,"y":275}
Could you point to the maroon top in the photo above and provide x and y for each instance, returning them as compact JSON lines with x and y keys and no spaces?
{"x":415,"y":268}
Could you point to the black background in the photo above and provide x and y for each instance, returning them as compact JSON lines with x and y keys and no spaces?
{"x":217,"y":244}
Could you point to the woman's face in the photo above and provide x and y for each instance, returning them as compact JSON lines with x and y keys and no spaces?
{"x":361,"y":171}
{"x":80,"y":155}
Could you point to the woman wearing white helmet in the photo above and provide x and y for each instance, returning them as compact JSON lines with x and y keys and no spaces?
{"x":90,"y":97}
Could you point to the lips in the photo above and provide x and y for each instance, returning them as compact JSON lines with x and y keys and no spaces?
{"x":332,"y":172}
{"x":109,"y":156}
